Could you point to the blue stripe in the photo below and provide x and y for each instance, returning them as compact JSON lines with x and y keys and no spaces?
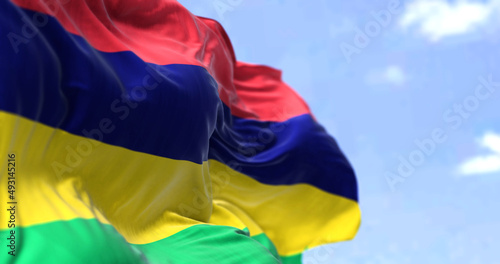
{"x":298,"y":150}
{"x":57,"y":79}
{"x":67,"y":84}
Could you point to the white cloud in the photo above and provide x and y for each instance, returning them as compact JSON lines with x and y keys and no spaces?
{"x":436,"y":19}
{"x":492,"y":141}
{"x":486,"y":163}
{"x":392,"y":74}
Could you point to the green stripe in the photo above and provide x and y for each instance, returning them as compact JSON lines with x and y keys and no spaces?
{"x":88,"y":241}
{"x":75,"y":241}
{"x":293,"y":259}
{"x":208,"y":244}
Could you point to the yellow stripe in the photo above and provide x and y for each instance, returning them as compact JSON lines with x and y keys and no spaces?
{"x":145,"y":197}
{"x":294,"y":217}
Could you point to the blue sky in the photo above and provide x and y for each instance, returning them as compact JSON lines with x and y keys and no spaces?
{"x":420,"y":74}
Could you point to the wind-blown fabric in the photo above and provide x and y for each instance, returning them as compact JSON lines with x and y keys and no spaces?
{"x":139,"y":138}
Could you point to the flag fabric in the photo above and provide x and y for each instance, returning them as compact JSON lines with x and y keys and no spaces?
{"x":131,"y":134}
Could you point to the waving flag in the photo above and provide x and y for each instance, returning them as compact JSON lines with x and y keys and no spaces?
{"x":131,"y":134}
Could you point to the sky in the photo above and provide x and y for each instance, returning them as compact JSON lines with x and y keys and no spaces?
{"x":411,"y":91}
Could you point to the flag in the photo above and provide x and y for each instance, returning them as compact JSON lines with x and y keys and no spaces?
{"x":131,"y":134}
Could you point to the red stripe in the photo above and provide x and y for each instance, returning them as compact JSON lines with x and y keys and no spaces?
{"x":262,"y":88}
{"x":164,"y":32}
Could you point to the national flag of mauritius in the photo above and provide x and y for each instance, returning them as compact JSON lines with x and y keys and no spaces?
{"x":129,"y":133}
